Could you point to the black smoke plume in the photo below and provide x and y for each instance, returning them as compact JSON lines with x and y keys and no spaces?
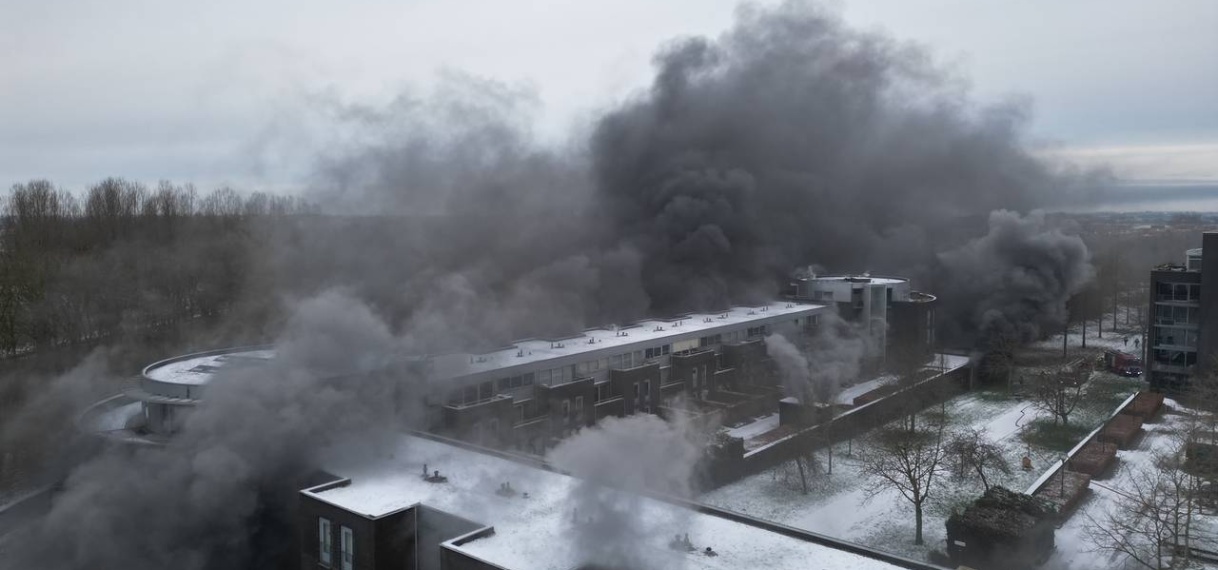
{"x":793,"y":139}
{"x":1013,"y":283}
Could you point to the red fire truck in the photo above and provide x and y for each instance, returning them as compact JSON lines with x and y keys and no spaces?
{"x":1122,"y":363}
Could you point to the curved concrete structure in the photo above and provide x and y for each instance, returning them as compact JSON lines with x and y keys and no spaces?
{"x":165,"y":392}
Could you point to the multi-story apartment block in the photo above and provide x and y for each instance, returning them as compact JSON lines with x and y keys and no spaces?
{"x":1182,"y":340}
{"x":534,"y":392}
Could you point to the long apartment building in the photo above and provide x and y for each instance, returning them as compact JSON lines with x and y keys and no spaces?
{"x":1182,"y":341}
{"x":534,"y":392}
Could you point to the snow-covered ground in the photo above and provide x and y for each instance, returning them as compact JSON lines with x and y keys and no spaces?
{"x":1075,"y":550}
{"x":837,"y":504}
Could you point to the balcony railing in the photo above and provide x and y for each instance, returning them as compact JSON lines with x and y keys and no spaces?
{"x":479,"y":402}
{"x":1176,"y":323}
{"x":1176,"y":299}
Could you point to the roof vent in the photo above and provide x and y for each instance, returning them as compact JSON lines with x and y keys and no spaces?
{"x":506,"y":490}
{"x":435,"y":476}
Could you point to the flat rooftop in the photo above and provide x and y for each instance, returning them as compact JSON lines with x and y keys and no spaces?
{"x":539,"y":533}
{"x":195,"y":370}
{"x":691,"y":325}
{"x":858,"y":279}
{"x":198,"y":369}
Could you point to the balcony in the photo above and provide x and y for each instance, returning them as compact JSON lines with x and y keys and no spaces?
{"x":1175,"y":323}
{"x":480,"y":402}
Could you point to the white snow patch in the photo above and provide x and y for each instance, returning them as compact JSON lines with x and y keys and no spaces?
{"x":754,"y":429}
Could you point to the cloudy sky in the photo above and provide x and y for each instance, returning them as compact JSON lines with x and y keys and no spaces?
{"x":211,"y":92}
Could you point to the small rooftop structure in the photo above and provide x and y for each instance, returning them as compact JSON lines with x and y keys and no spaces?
{"x":1002,"y":529}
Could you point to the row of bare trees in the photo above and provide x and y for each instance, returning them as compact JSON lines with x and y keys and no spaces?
{"x":122,"y":257}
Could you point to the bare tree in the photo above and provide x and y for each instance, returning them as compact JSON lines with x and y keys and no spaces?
{"x":1058,"y":393}
{"x":976,"y":452}
{"x":907,"y":461}
{"x":1152,"y":518}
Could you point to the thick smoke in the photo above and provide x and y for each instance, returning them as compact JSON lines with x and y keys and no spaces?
{"x":793,"y":139}
{"x":219,"y":494}
{"x":831,"y":359}
{"x":616,"y":460}
{"x":790,"y":139}
{"x":793,"y":366}
{"x":1013,"y":283}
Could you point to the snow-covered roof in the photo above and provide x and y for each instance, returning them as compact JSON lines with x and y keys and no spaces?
{"x":195,"y":370}
{"x":860,"y":279}
{"x":538,"y":532}
{"x":598,"y":340}
{"x":198,"y":369}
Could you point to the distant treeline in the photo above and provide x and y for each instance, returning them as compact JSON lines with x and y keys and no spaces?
{"x":123,"y":258}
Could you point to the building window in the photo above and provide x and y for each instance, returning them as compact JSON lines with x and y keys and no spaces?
{"x":757,"y":331}
{"x":347,"y":546}
{"x":323,"y":541}
{"x":486,"y":390}
{"x":579,"y":410}
{"x":709,"y":340}
{"x":657,"y":351}
{"x":647,"y":396}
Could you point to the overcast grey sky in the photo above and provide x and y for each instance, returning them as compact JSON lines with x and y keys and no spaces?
{"x":191,"y":91}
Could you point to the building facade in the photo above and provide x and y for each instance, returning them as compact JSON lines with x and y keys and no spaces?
{"x":899,"y":320}
{"x":535,"y":392}
{"x":1182,"y":339}
{"x":528,"y":396}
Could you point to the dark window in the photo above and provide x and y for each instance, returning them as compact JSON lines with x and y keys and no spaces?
{"x":324,"y":546}
{"x":348,"y":548}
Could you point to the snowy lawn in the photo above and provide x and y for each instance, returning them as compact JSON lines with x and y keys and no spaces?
{"x":837,"y":504}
